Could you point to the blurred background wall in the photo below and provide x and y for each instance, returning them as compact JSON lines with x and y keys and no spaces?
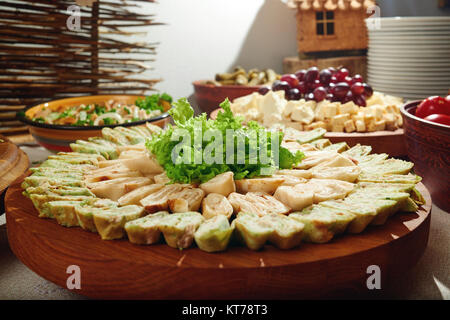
{"x":203,"y":37}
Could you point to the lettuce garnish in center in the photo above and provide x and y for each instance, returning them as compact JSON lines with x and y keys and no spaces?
{"x":183,"y":150}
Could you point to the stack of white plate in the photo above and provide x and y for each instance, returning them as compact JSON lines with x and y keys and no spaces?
{"x":409,"y":56}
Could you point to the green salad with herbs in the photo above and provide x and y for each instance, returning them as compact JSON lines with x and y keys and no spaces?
{"x":109,"y":113}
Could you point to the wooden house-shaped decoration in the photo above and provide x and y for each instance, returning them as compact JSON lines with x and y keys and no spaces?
{"x":331,"y":25}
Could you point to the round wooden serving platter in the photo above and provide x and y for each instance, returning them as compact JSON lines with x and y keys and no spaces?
{"x":120,"y":270}
{"x":390,"y":142}
{"x":14,"y":164}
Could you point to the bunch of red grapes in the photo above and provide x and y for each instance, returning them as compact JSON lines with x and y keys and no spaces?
{"x":330,"y":84}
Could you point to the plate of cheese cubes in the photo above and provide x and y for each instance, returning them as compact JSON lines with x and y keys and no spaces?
{"x":378,"y":124}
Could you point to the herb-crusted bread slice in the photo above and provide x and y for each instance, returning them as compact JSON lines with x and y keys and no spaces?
{"x":215,"y":204}
{"x":63,"y":212}
{"x":179,"y":228}
{"x":58,"y":190}
{"x":258,"y":203}
{"x":36,"y":181}
{"x":85,"y":211}
{"x":110,"y":222}
{"x":78,"y":160}
{"x":214,"y":234}
{"x":349,"y":174}
{"x":358,"y":151}
{"x":251,"y":230}
{"x":338,"y":147}
{"x":384,"y":207}
{"x":287,"y":232}
{"x":145,"y":230}
{"x":60,"y":164}
{"x":39,"y":201}
{"x":364,"y":213}
{"x":115,"y":137}
{"x":391,"y":178}
{"x":159,"y":200}
{"x":389,"y":166}
{"x":135,"y":196}
{"x":322,"y":223}
{"x":188,"y":199}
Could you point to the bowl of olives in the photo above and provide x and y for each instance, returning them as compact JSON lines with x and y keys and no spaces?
{"x":210,"y":93}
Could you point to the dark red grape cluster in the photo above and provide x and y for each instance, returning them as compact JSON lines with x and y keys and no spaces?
{"x":331,"y":84}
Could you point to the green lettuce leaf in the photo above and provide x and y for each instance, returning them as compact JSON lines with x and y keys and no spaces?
{"x":242,"y":162}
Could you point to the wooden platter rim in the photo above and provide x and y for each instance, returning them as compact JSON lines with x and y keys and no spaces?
{"x":195,"y":253}
{"x":111,"y":274}
{"x":16,"y":165}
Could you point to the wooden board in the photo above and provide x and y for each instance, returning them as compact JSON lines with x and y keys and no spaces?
{"x":120,"y":270}
{"x":390,"y":142}
{"x":13,"y":129}
{"x":22,"y":139}
{"x":13,"y":163}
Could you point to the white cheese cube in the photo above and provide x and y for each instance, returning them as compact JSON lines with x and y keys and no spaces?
{"x":319,"y":112}
{"x":376,"y":98}
{"x":280,"y":94}
{"x":372,"y":125}
{"x":358,"y":116}
{"x":314,"y":125}
{"x":271,"y":119}
{"x":380,"y":125}
{"x":349,"y":107}
{"x":369,"y":119}
{"x":360,"y":126}
{"x":303,"y":114}
{"x":390,"y":109}
{"x":349,"y":126}
{"x":311,"y":103}
{"x":272,"y":103}
{"x":293,"y":125}
{"x":391,"y":123}
{"x":245,"y":100}
{"x":399,"y":120}
{"x":290,"y":106}
{"x":330,"y":110}
{"x":377,"y":111}
{"x":337,"y":128}
{"x":340,"y":119}
{"x":271,"y":107}
{"x":368,"y":112}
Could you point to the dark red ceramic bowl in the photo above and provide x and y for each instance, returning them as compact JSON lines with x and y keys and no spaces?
{"x":209,"y":96}
{"x":428,"y":146}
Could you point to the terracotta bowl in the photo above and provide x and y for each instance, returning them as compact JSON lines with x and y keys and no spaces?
{"x":209,"y":96}
{"x":58,"y":137}
{"x":428,"y":146}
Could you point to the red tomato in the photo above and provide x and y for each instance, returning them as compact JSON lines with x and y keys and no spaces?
{"x":448,"y":98}
{"x":439,"y":118}
{"x":433,"y":105}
